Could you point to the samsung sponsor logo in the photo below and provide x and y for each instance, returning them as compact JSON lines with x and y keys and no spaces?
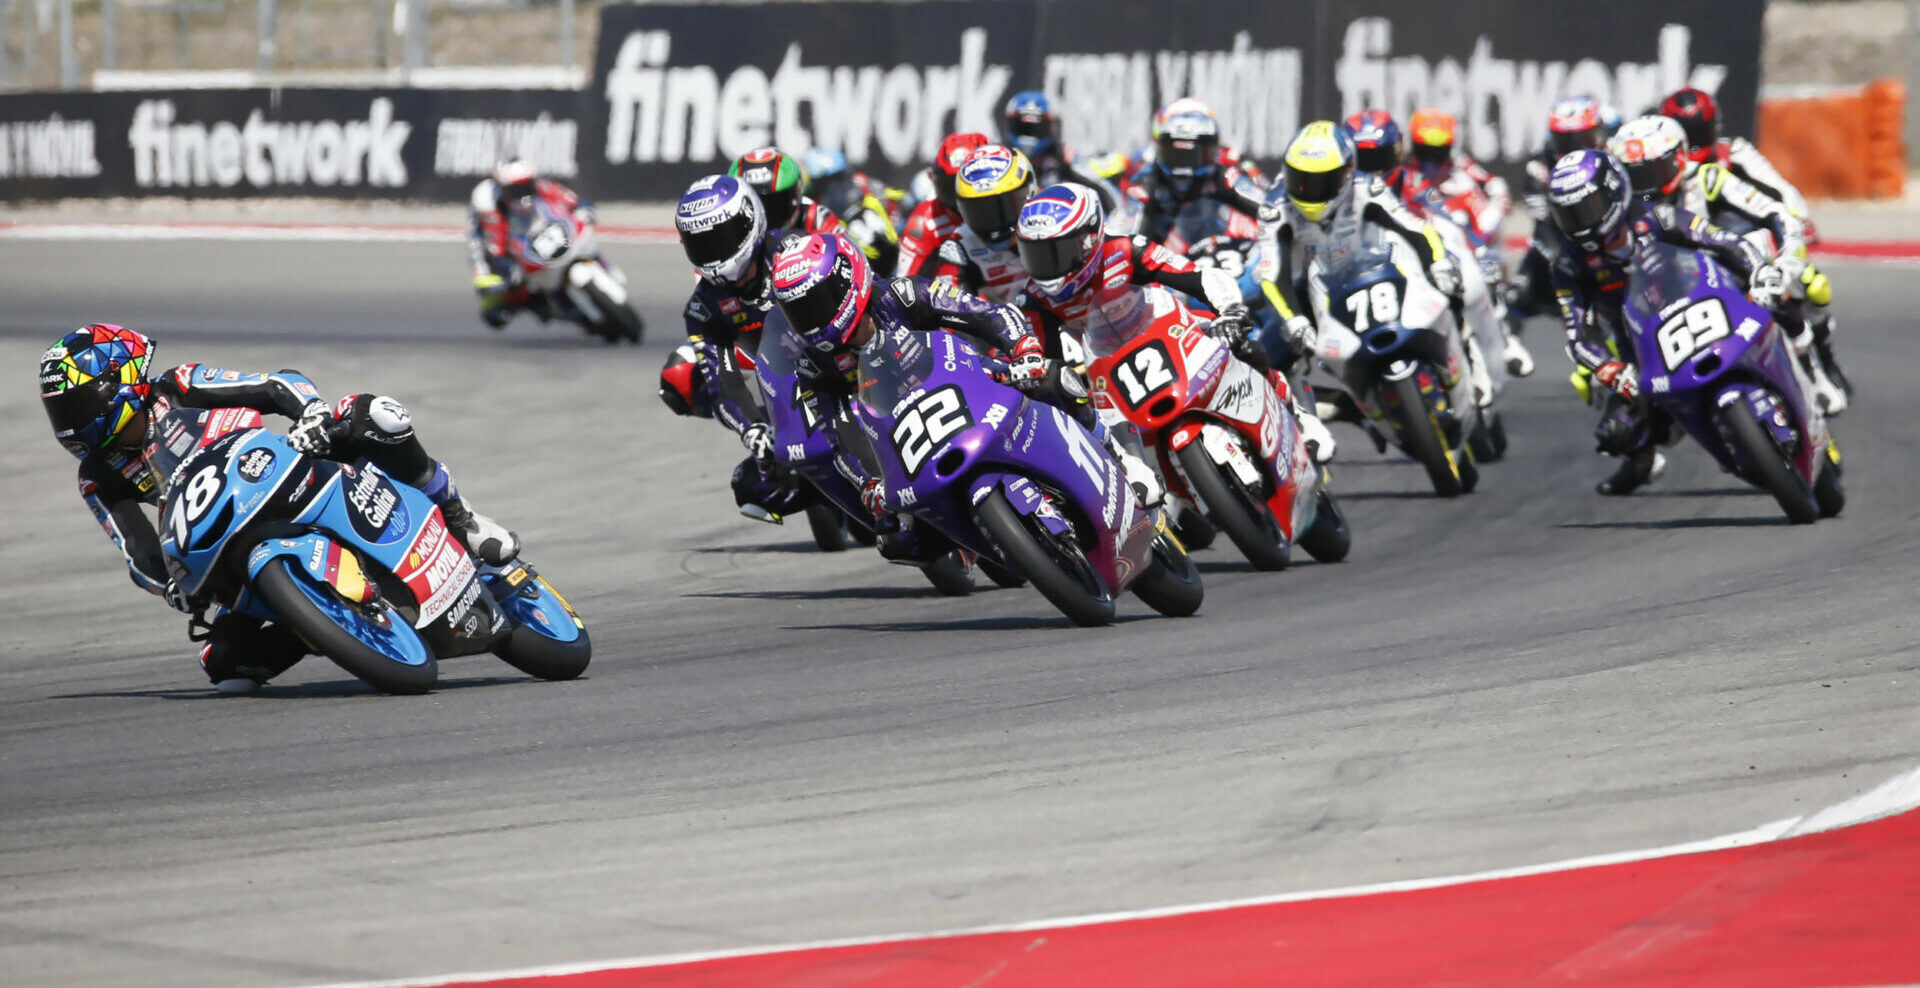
{"x":472,"y":147}
{"x":262,"y":152}
{"x":52,"y":148}
{"x":688,"y":113}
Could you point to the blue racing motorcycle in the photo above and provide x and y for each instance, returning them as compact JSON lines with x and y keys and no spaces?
{"x":362,"y":568}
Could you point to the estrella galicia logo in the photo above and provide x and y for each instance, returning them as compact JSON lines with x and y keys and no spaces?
{"x":256,"y":463}
{"x":377,"y":512}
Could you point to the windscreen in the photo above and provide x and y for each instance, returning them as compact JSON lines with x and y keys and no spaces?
{"x":1120,"y":313}
{"x":893,"y":365}
{"x":1661,"y":275}
{"x":175,"y":434}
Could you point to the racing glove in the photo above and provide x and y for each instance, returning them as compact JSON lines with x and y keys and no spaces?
{"x":178,"y":599}
{"x":1620,"y":376}
{"x":1230,"y":326}
{"x":1304,"y":333}
{"x":313,"y":433}
{"x":758,"y":439}
{"x":1768,"y":286}
{"x":1029,"y":367}
{"x":873,"y":494}
{"x":490,"y":287}
{"x":1446,"y":276}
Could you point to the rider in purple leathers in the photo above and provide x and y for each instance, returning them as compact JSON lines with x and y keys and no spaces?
{"x":835,"y":307}
{"x":1599,"y":222}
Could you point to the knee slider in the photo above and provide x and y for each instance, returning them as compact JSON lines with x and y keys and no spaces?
{"x":1818,"y":289}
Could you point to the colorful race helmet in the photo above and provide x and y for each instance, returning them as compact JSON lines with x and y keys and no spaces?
{"x":1186,"y":147}
{"x":1378,"y":144}
{"x":721,"y":225}
{"x":1698,"y":116}
{"x":1587,"y":197}
{"x":1653,"y":151}
{"x":93,"y":384}
{"x":822,"y":284}
{"x":1029,"y":124}
{"x":946,"y":165}
{"x":1575,"y":124}
{"x":994,"y":182}
{"x":1434,"y":131}
{"x":777,"y":179}
{"x":1181,"y":107}
{"x":825,"y":163}
{"x":1060,"y":233}
{"x":515,"y":178}
{"x":1319,"y":174}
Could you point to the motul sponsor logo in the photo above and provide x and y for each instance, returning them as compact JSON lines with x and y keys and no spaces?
{"x":50,"y":148}
{"x":1502,"y":104}
{"x":264,"y":152}
{"x":464,"y":146}
{"x":688,"y":113}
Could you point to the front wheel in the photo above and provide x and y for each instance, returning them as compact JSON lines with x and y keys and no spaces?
{"x":829,"y":527}
{"x":1328,"y":538}
{"x":1768,"y":467}
{"x":1236,"y":510}
{"x":380,"y":649}
{"x":1171,"y":584}
{"x":950,"y":574}
{"x":1421,"y":436}
{"x":1057,"y":567}
{"x":1827,"y":492}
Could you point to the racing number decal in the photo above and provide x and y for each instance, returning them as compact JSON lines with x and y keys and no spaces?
{"x":1231,"y":261}
{"x":550,"y":242}
{"x":1144,"y":373}
{"x":1687,"y":333}
{"x":195,"y":499}
{"x":1381,"y":302}
{"x":932,"y":420}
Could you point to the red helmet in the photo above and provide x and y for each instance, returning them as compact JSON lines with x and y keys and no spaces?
{"x":946,"y":165}
{"x":1698,"y":116}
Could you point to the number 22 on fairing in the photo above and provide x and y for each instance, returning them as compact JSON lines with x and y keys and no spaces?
{"x":932,"y":420}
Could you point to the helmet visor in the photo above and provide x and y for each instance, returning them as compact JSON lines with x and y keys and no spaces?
{"x":1433,"y":154}
{"x":1052,"y":260}
{"x":1654,"y":176}
{"x":1582,"y":218}
{"x":518,"y":190}
{"x":1374,"y":160}
{"x":1701,"y":132}
{"x":993,"y":217}
{"x":719,"y":242}
{"x":1562,"y":143}
{"x":1187,"y":156}
{"x":72,"y":411}
{"x":1306,"y":186}
{"x":1039,"y":130}
{"x":783,"y":206}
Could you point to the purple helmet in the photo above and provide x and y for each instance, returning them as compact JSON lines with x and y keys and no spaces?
{"x":1587,"y":196}
{"x":822,"y":284}
{"x":721,"y":224}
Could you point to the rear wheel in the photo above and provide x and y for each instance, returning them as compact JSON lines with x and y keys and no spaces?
{"x":1768,"y":467}
{"x":1239,"y":512}
{"x":622,"y":323}
{"x":1000,"y":574}
{"x":1328,"y":538}
{"x":829,"y":527}
{"x":1827,"y":492}
{"x":1058,"y":568}
{"x":1421,"y":437}
{"x":1171,"y":584}
{"x":1489,"y":438}
{"x":950,"y":574}
{"x":373,"y":648}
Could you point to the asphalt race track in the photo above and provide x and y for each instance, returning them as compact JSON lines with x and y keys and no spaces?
{"x":776,"y":745}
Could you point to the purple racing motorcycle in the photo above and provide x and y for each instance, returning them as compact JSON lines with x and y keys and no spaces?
{"x":1723,"y":368}
{"x":1014,"y":480}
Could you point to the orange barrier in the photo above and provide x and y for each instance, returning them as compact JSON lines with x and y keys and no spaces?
{"x":1846,"y":146}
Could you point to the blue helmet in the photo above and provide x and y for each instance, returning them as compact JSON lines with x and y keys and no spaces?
{"x":1587,"y":196}
{"x":1030,"y":125}
{"x":825,"y":163}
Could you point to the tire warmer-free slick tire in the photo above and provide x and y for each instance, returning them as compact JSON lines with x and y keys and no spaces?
{"x":275,"y":584}
{"x":1055,"y":581}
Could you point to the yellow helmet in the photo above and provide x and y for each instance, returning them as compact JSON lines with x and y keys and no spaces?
{"x":994,"y":182}
{"x":1319,"y":169}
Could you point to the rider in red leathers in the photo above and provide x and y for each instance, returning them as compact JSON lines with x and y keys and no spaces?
{"x":934,"y":219}
{"x":490,"y":211}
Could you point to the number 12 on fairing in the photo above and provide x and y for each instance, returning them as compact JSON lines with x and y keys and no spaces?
{"x":1687,"y":333}
{"x":932,"y":420}
{"x":1144,"y":373}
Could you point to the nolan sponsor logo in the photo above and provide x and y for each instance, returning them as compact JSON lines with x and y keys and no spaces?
{"x":52,"y":148}
{"x":1502,"y":104}
{"x":171,"y":153}
{"x":472,"y":147}
{"x":657,"y":112}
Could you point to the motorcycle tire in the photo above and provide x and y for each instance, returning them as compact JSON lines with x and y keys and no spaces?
{"x":1770,"y":470}
{"x":1489,"y":438}
{"x":1235,"y":510}
{"x":296,"y":610}
{"x":1062,"y":573}
{"x":1171,"y":584}
{"x":1000,"y":574}
{"x":829,"y":527}
{"x":1421,"y":437}
{"x":1827,"y":491}
{"x":1193,"y":528}
{"x":950,"y":574}
{"x":1328,"y":538}
{"x":622,"y":322}
{"x":543,"y":658}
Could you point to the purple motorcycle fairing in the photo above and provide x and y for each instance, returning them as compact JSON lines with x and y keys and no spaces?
{"x":948,"y":435}
{"x":1703,"y":345}
{"x":803,"y":441}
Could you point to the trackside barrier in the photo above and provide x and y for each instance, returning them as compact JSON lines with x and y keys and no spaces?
{"x":1843,"y":146}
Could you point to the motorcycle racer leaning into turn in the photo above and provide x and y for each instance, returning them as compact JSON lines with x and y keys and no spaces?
{"x":499,"y":198}
{"x":835,"y":307}
{"x":1599,"y":222}
{"x":101,"y":401}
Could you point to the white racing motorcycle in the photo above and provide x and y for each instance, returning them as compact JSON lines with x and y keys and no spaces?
{"x":559,"y":261}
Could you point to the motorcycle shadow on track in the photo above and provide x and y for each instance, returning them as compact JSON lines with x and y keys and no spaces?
{"x":325,"y":689}
{"x":1671,"y":524}
{"x":1004,"y":622}
{"x":832,"y":593}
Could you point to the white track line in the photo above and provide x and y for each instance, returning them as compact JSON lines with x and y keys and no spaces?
{"x":1897,"y":795}
{"x":295,"y":233}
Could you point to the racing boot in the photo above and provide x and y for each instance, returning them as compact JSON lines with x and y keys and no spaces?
{"x":1519,"y":358}
{"x":1339,"y":406}
{"x":1306,"y":410}
{"x":1830,"y":384}
{"x":1145,"y":483}
{"x":1636,"y":470}
{"x":487,"y":539}
{"x":242,"y":653}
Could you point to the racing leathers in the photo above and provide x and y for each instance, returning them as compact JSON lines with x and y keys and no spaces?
{"x":1741,"y":157}
{"x":1164,"y":213}
{"x":1591,"y":288}
{"x":929,"y":224}
{"x":240,"y":652}
{"x":995,"y":273}
{"x":496,"y":276}
{"x":870,"y":210}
